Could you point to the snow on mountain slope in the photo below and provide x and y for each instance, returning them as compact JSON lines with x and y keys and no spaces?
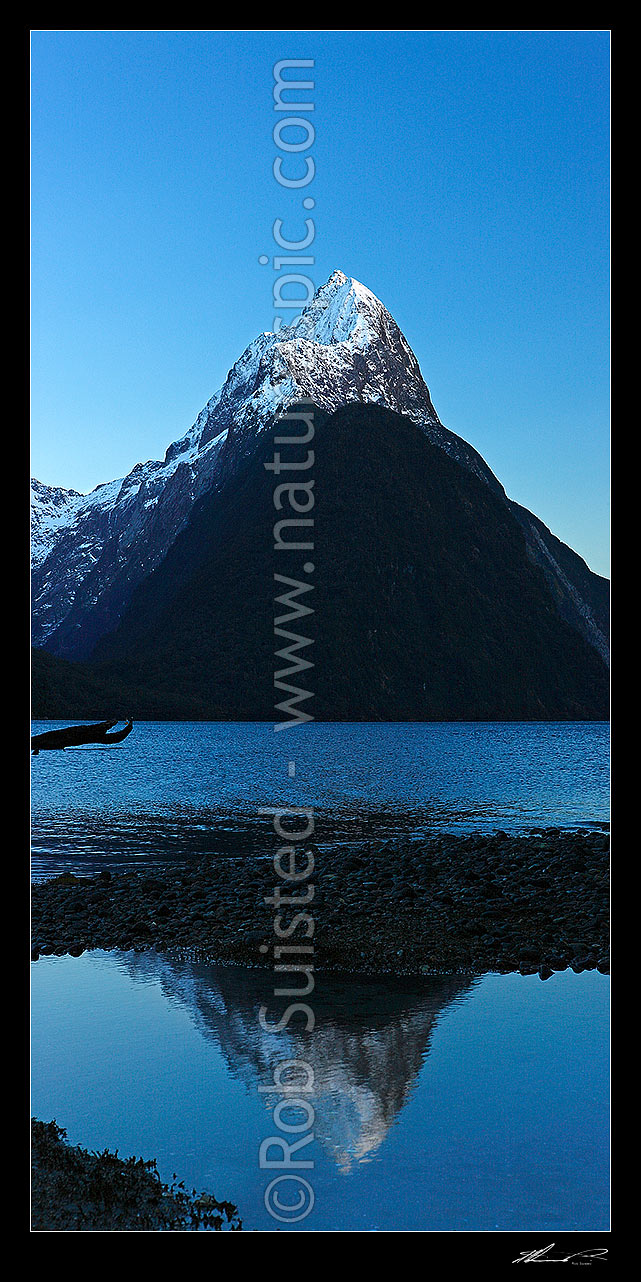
{"x":51,"y":510}
{"x":90,"y":551}
{"x":344,"y":346}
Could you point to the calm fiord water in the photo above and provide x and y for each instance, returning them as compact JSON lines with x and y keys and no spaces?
{"x":174,"y":790}
{"x":441,"y":1103}
{"x":453,"y":1102}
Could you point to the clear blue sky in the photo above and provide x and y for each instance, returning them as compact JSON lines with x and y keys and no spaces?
{"x":462,"y":176}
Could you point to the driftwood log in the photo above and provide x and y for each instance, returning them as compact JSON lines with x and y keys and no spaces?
{"x":71,"y":736}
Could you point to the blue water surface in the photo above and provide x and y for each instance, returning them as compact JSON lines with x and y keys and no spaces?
{"x":441,"y":1103}
{"x":174,"y":790}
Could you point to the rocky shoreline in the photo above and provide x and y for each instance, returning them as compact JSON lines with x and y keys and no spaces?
{"x":73,"y":1190}
{"x":536,"y":903}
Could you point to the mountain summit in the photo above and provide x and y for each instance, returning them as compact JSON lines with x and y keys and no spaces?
{"x":90,"y":552}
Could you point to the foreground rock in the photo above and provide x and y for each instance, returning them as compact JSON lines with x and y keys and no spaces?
{"x":535,"y":903}
{"x":77,"y":1191}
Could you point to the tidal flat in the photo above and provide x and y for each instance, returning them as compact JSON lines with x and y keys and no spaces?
{"x":476,"y":902}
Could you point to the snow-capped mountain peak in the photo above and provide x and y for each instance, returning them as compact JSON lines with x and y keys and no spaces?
{"x":341,"y":311}
{"x":344,"y":346}
{"x":90,"y":551}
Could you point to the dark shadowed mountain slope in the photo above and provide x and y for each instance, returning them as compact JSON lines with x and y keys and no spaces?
{"x":70,"y":691}
{"x":90,"y":552}
{"x":427,"y":601}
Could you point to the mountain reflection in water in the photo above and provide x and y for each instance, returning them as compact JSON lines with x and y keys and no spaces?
{"x":371,"y":1036}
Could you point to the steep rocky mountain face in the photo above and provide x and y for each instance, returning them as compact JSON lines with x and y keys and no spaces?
{"x":90,"y":552}
{"x":426,"y":602}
